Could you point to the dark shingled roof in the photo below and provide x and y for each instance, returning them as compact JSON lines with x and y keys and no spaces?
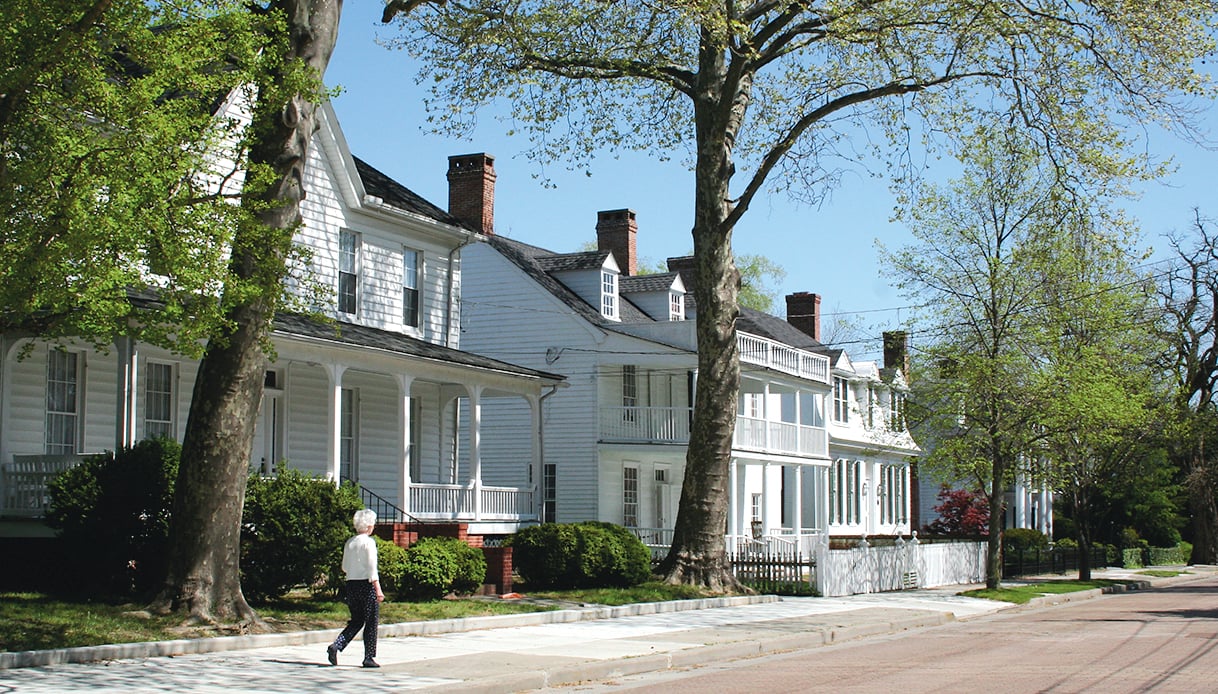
{"x":563,"y":262}
{"x":399,"y":196}
{"x":660,"y":282}
{"x":775,"y":328}
{"x":534,"y":261}
{"x":363,"y":336}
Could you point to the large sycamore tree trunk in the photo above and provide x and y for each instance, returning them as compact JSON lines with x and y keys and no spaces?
{"x":1203,"y":503}
{"x":204,"y":564}
{"x":698,"y":556}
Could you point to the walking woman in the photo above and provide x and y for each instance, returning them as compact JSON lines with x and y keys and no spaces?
{"x":364,"y":594}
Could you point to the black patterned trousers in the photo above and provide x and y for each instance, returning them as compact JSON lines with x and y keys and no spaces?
{"x":365,"y":614}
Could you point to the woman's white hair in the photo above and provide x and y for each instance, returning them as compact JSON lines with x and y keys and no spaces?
{"x":364,"y":520}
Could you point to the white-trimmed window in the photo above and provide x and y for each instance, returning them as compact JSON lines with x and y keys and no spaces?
{"x":410,"y":287}
{"x":845,"y":491}
{"x":894,"y":490}
{"x":63,"y":402}
{"x":663,"y":498}
{"x":630,"y":496}
{"x":676,"y":306}
{"x":841,"y":400}
{"x":630,"y":392}
{"x":549,"y":492}
{"x":348,"y":430}
{"x":413,"y":459}
{"x":348,"y":272}
{"x":896,"y":412}
{"x":158,"y":400}
{"x":608,"y":294}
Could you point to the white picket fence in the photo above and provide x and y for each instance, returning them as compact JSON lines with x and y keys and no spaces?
{"x":905,"y":565}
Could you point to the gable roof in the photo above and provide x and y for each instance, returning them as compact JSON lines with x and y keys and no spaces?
{"x":659,"y":282}
{"x":399,"y":196}
{"x":538,"y":263}
{"x":775,"y":328}
{"x":568,"y":262}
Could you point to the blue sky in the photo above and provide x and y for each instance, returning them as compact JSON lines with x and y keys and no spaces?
{"x":828,"y":249}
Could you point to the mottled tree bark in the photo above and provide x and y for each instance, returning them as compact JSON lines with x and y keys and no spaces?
{"x":204,"y":570}
{"x":698,"y":556}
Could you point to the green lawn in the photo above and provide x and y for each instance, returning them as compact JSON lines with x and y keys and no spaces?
{"x":35,"y":621}
{"x":1021,"y":594}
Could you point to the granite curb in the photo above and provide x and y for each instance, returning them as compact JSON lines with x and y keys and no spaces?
{"x":149,"y":649}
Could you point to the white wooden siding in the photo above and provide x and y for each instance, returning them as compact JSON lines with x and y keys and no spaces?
{"x":501,"y":314}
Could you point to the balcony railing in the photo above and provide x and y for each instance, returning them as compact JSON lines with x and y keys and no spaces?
{"x":671,"y":425}
{"x":781,"y":437}
{"x":653,"y":424}
{"x":775,"y":355}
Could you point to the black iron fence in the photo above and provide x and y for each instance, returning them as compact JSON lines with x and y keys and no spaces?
{"x":1056,"y":560}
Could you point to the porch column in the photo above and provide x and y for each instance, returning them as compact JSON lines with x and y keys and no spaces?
{"x":127,"y":355}
{"x":799,"y":502}
{"x":475,"y":446}
{"x":334,"y":373}
{"x":1022,"y":490}
{"x":536,"y":473}
{"x":404,"y":453}
{"x":765,"y":491}
{"x":733,"y":500}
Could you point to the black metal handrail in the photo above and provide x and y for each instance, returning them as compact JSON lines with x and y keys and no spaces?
{"x":386,"y":510}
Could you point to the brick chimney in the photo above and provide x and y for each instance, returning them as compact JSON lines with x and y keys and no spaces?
{"x":617,"y":232}
{"x":896,"y":351}
{"x":683,"y":266}
{"x":803,"y":312}
{"x":471,"y":190}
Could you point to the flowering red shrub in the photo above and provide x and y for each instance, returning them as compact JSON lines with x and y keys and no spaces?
{"x":961,"y":512}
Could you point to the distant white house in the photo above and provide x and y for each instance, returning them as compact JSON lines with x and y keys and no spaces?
{"x":383,"y":396}
{"x":614,"y":440}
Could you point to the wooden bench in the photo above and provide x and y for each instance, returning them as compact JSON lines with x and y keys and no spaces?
{"x":24,"y":482}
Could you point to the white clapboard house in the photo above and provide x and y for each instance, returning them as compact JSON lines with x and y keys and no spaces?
{"x":384,"y":396}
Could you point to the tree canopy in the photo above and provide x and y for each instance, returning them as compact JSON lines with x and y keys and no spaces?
{"x":785,"y":92}
{"x":110,"y":155}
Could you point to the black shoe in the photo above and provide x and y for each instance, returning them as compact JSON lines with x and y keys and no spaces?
{"x":369,"y":662}
{"x":332,"y":654}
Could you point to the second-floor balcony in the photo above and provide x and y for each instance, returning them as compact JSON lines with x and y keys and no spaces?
{"x":762,"y":351}
{"x":670,"y":425}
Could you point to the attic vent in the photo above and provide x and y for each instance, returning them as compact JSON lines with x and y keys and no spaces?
{"x":271,"y":379}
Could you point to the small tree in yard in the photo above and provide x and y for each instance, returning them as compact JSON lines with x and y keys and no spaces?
{"x":961,"y":512}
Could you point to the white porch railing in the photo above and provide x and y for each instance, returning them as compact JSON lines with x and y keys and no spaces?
{"x":671,"y":425}
{"x":653,"y":424}
{"x":781,"y":437}
{"x":456,"y":502}
{"x":775,"y":355}
{"x":24,"y":482}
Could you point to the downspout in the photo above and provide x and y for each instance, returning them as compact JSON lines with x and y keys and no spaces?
{"x":450,"y":289}
{"x":541,"y":446}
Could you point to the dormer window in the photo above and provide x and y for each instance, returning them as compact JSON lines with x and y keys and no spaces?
{"x":841,"y":400}
{"x":896,"y":413}
{"x":608,"y":294}
{"x":676,"y":306}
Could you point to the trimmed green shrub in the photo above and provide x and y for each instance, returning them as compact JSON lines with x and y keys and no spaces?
{"x":1169,"y":556}
{"x":471,"y":568}
{"x":581,"y":555}
{"x":112,"y":513}
{"x":545,"y":555}
{"x":1024,"y":539}
{"x":390,"y":566}
{"x":430,"y":569}
{"x":292,"y":531}
{"x":624,"y":559}
{"x":1131,"y":558}
{"x":1067,"y":543}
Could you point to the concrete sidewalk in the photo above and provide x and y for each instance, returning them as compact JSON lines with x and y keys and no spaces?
{"x":512,"y":652}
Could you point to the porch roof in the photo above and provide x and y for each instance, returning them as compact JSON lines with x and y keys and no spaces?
{"x":294,"y":324}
